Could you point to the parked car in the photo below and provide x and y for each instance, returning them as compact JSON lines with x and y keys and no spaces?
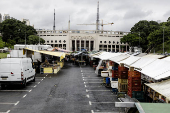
{"x":16,"y":71}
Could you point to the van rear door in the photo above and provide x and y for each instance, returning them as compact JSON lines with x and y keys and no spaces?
{"x":10,"y":71}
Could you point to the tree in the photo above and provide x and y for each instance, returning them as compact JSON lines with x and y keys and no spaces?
{"x":15,"y":30}
{"x":33,"y":39}
{"x":2,"y":44}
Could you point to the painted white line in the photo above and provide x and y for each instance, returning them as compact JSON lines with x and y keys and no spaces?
{"x":92,"y":111}
{"x":17,"y":103}
{"x":87,"y":96}
{"x":14,"y":90}
{"x":38,"y":82}
{"x":96,"y":90}
{"x":50,"y":76}
{"x":120,"y":100}
{"x":89,"y":102}
{"x":95,"y":86}
{"x":35,"y":86}
{"x":85,"y":86}
{"x":41,"y":79}
{"x":93,"y":82}
{"x":8,"y":111}
{"x":84,"y":82}
{"x":7,"y":103}
{"x":83,"y":79}
{"x":81,"y":70}
{"x":104,"y":102}
{"x":92,"y":79}
{"x":24,"y":95}
{"x":30,"y":90}
{"x":47,"y":75}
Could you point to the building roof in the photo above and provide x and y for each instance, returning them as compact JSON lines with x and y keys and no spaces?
{"x":130,"y":60}
{"x":152,"y":107}
{"x":161,"y":87}
{"x":119,"y":58}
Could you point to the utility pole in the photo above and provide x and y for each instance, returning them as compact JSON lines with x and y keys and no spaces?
{"x":97,"y":21}
{"x":54,"y":20}
{"x":163,"y":40}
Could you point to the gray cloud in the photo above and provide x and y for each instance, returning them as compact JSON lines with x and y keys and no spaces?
{"x":124,"y":13}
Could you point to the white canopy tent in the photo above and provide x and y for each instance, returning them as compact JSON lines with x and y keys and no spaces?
{"x":161,"y":87}
{"x":130,"y":60}
{"x":119,"y":58}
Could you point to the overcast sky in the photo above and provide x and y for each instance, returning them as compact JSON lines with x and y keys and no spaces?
{"x":123,"y":13}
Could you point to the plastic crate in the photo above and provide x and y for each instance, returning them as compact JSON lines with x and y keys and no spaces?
{"x":122,"y":87}
{"x":122,"y":80}
{"x":107,"y":80}
{"x":134,"y":74}
{"x":114,"y":68}
{"x":134,"y":89}
{"x":114,"y":84}
{"x":114,"y":79}
{"x":123,"y":75}
{"x":122,"y":68}
{"x":115,"y":73}
{"x":133,"y":78}
{"x":134,"y":83}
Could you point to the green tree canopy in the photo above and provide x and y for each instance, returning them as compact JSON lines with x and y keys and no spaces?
{"x":14,"y":31}
{"x":33,"y":39}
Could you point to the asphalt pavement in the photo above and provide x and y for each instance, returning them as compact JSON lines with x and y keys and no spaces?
{"x":74,"y":89}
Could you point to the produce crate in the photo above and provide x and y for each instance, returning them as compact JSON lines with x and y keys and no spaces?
{"x":122,"y":87}
{"x":130,"y":89}
{"x":114,"y":79}
{"x":114,"y":84}
{"x":134,"y":74}
{"x":133,"y":78}
{"x":115,"y":74}
{"x":107,"y":80}
{"x":122,"y":80}
{"x":134,"y":83}
{"x":138,"y":95}
{"x":122,"y":68}
{"x":123,"y":75}
{"x":114,"y":68}
{"x":105,"y":73}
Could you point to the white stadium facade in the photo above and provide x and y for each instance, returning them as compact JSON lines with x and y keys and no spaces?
{"x":77,"y":40}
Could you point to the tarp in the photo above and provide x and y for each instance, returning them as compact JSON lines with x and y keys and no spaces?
{"x":157,"y":69}
{"x":99,"y":55}
{"x":130,"y":60}
{"x":109,"y":55}
{"x":153,"y":56}
{"x":57,"y":54}
{"x":161,"y":87}
{"x":166,"y":59}
{"x":119,"y":58}
{"x":143,"y":61}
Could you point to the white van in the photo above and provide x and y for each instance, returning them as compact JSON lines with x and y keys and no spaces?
{"x":16,"y":71}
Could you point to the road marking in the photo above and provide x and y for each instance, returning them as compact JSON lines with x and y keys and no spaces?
{"x":93,"y":82}
{"x":95,"y":86}
{"x":96,"y":90}
{"x":47,"y":75}
{"x":7,"y":103}
{"x":89,"y":102}
{"x":24,"y":95}
{"x":93,"y":79}
{"x":85,"y":86}
{"x":87,"y":96}
{"x":30,"y":90}
{"x":92,"y":111}
{"x":84,"y":82}
{"x":120,"y":100}
{"x":13,"y":90}
{"x":8,"y":111}
{"x":105,"y":112}
{"x":41,"y":79}
{"x":35,"y":86}
{"x":38,"y":82}
{"x":17,"y":103}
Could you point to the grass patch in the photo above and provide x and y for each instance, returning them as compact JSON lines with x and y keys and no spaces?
{"x":3,"y":55}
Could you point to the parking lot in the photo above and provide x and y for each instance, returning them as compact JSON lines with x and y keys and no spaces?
{"x":73,"y":89}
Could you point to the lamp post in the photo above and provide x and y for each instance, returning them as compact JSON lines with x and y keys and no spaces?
{"x":163,"y":40}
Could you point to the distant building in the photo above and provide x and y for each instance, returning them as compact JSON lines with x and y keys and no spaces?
{"x":6,"y":16}
{"x":0,"y":18}
{"x":27,"y":22}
